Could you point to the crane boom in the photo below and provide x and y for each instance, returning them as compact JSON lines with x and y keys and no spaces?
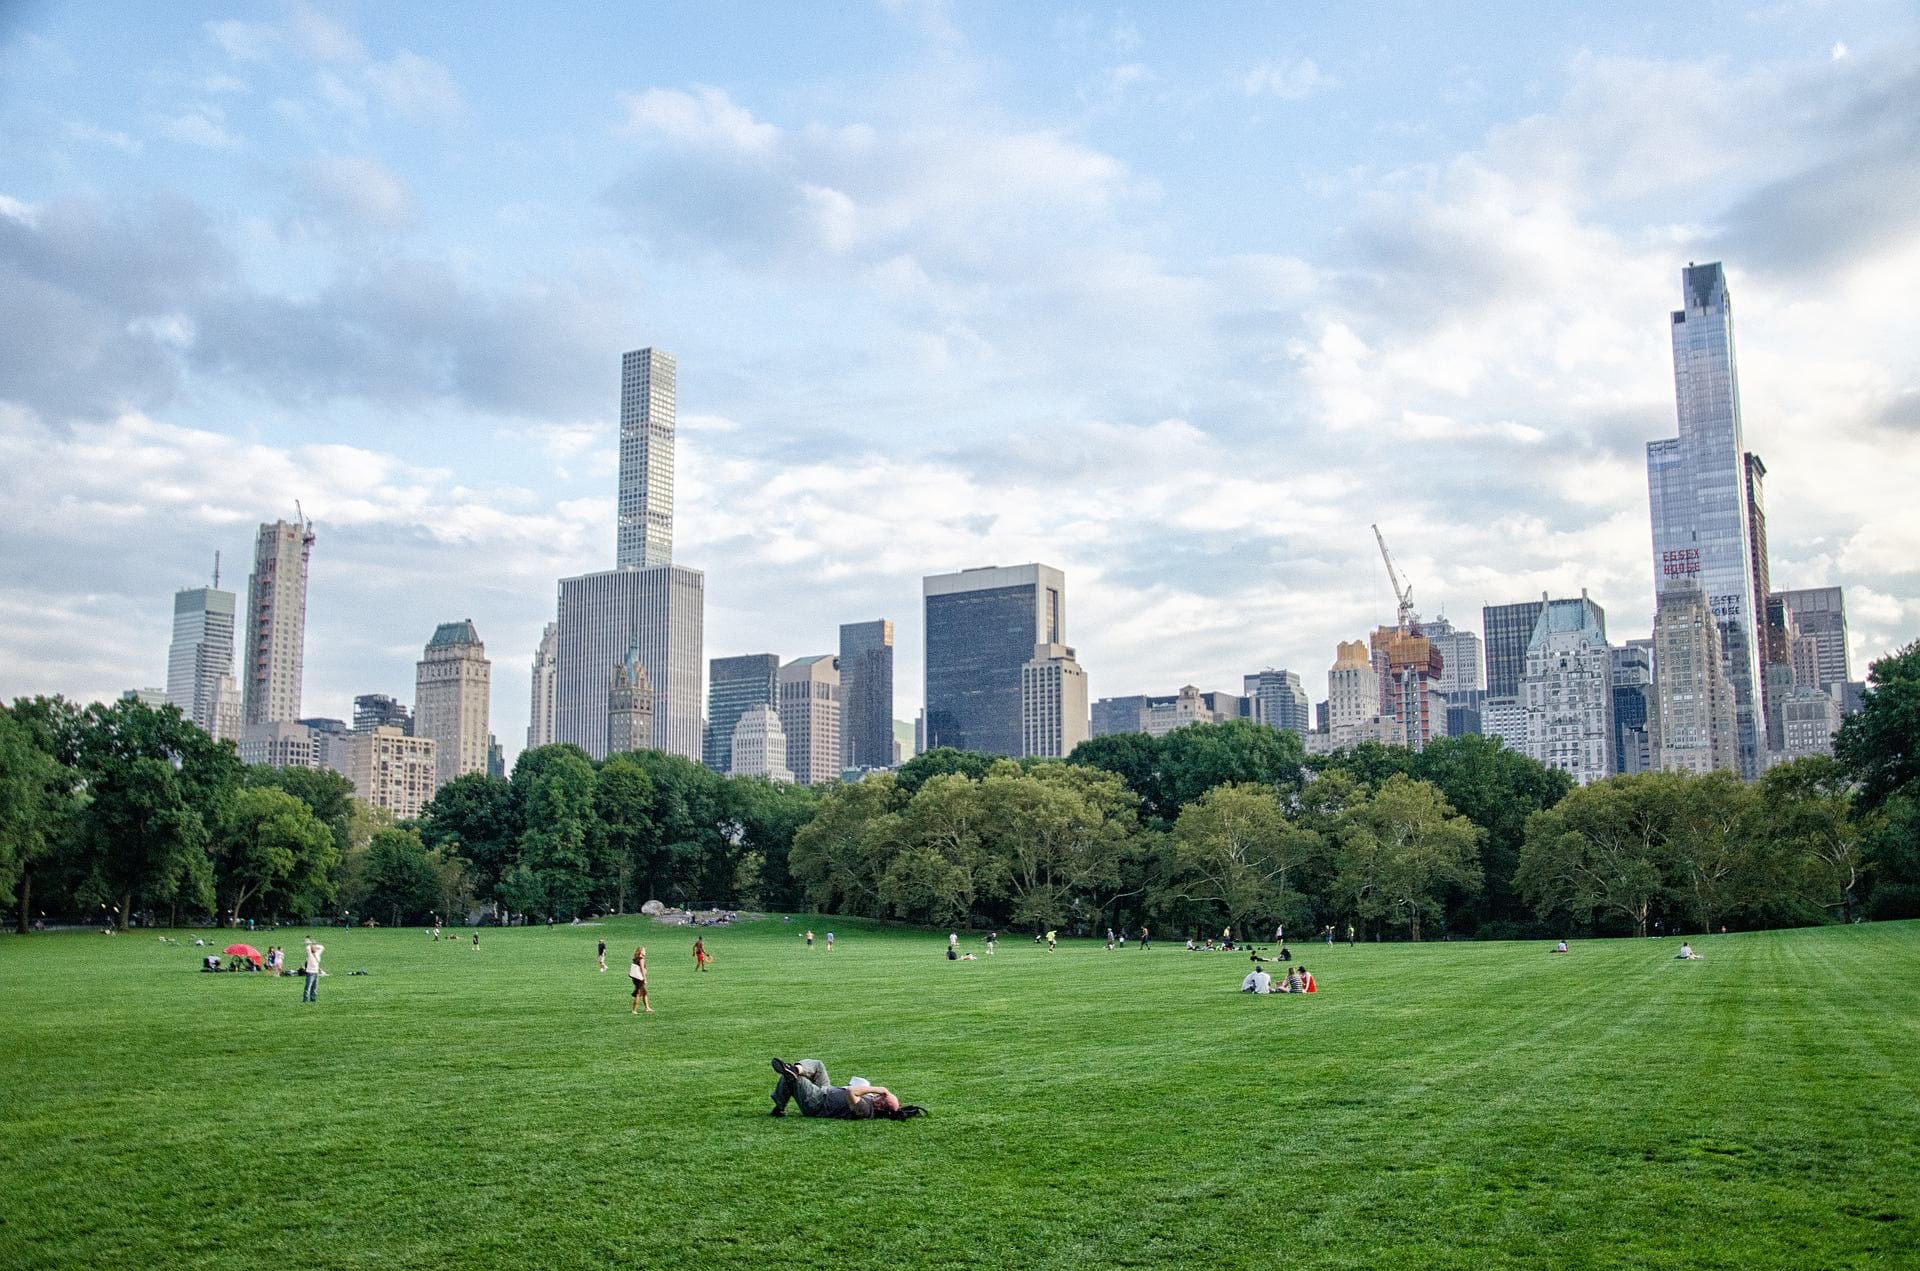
{"x":1403,"y":595}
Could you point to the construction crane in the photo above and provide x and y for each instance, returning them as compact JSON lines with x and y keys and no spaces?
{"x":1402,"y":594}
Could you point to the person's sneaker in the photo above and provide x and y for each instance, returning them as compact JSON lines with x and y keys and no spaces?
{"x":777,"y":1112}
{"x":782,"y":1067}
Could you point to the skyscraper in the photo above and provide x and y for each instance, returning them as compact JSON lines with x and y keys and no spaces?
{"x":1821,"y":613}
{"x":1700,"y":492}
{"x":540,"y":712}
{"x":646,"y":597}
{"x":810,"y":717}
{"x":866,"y":694}
{"x":600,"y":617}
{"x":275,"y":627}
{"x":981,"y":628}
{"x":1567,"y":691}
{"x":1632,"y":705}
{"x":1409,"y":668}
{"x":1053,"y":703}
{"x":629,"y":705}
{"x":453,"y":684}
{"x":1353,"y":690}
{"x":734,"y":686}
{"x":201,"y":654}
{"x":647,"y":406}
{"x":392,"y":770}
{"x":757,"y":747}
{"x":1278,"y":700}
{"x":1509,"y":630}
{"x":377,"y":710}
{"x":1694,"y":721}
{"x":1461,"y":670}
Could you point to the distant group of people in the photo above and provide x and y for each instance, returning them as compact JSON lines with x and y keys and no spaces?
{"x":829,"y":940}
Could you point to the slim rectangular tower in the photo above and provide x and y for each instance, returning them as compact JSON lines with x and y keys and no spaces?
{"x":734,"y":686}
{"x":540,"y":707}
{"x":810,"y":717}
{"x":866,"y":694}
{"x":201,"y":654}
{"x":982,"y":625}
{"x":646,"y":460}
{"x":276,"y":622}
{"x":1700,"y":497}
{"x":600,"y":616}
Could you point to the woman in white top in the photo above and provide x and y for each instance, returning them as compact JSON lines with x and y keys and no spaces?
{"x":638,"y":974}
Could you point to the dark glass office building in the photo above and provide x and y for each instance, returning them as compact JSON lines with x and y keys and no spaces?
{"x":735,"y":686}
{"x":1507,"y":630}
{"x":866,"y":694}
{"x":982,"y":626}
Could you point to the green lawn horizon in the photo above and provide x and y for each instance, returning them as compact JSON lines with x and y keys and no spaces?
{"x":1441,"y":1104}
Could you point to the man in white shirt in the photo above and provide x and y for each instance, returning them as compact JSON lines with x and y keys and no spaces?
{"x":311,"y":969}
{"x":1257,"y":981}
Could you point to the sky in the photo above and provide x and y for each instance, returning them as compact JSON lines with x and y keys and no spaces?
{"x":1180,"y":299}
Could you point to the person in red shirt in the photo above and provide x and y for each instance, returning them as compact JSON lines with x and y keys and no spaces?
{"x":1306,"y":978}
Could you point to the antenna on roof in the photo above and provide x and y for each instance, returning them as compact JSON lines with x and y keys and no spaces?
{"x":216,"y":569}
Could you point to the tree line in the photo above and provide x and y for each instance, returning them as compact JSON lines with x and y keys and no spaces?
{"x":117,"y":809}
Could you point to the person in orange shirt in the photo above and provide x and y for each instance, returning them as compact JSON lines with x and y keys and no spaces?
{"x":1306,"y":978}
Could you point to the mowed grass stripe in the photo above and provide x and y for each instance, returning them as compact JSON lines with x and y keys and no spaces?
{"x":1435,"y":1105}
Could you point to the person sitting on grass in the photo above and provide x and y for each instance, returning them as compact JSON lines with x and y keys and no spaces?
{"x":1307,"y":981}
{"x":807,"y":1084}
{"x":1294,"y":983}
{"x":1257,"y":981}
{"x":1561,"y":947}
{"x":1686,"y":953}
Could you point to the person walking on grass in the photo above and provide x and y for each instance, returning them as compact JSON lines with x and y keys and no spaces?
{"x":311,"y":969}
{"x":603,"y":955}
{"x":638,"y":974}
{"x":993,"y":938}
{"x":1349,"y":935}
{"x":700,"y":955}
{"x":1144,"y":934}
{"x":809,"y":941}
{"x":1050,"y":940}
{"x":829,"y":942}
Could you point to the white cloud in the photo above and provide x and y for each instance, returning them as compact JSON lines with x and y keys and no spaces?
{"x":706,"y":118}
{"x":200,"y":125}
{"x":1290,"y":79}
{"x":354,"y":192}
{"x":80,"y":131}
{"x":415,"y":87}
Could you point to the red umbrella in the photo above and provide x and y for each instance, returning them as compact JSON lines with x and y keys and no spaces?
{"x":243,"y":951}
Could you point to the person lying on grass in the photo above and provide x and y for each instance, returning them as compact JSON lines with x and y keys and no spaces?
{"x":806,"y":1083}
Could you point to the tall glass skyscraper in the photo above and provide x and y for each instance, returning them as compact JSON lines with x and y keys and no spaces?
{"x":866,"y":694}
{"x":734,"y":687}
{"x":982,"y":626}
{"x":1700,"y":496}
{"x":647,"y":399}
{"x":202,"y":652}
{"x":646,"y":600}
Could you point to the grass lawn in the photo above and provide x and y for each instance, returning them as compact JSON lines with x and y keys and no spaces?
{"x":1433,"y":1105}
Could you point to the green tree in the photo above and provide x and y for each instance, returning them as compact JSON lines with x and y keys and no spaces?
{"x":1714,"y":865}
{"x":556,"y":806}
{"x":1807,"y":813}
{"x":686,"y":854}
{"x":270,"y":847}
{"x":36,"y":802}
{"x":840,"y":856}
{"x":761,"y":818}
{"x":327,"y":794}
{"x":941,"y":761}
{"x":1892,"y":854}
{"x":478,"y":818}
{"x":1232,"y":845}
{"x":623,"y":820}
{"x":154,"y":782}
{"x":1066,"y":836}
{"x":402,"y":882}
{"x":944,"y":866}
{"x":1408,"y":847}
{"x":1879,"y":745}
{"x":1497,"y":789}
{"x":1607,"y":848}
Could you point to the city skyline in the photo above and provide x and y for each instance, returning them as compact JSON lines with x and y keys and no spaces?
{"x":1202,"y":456}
